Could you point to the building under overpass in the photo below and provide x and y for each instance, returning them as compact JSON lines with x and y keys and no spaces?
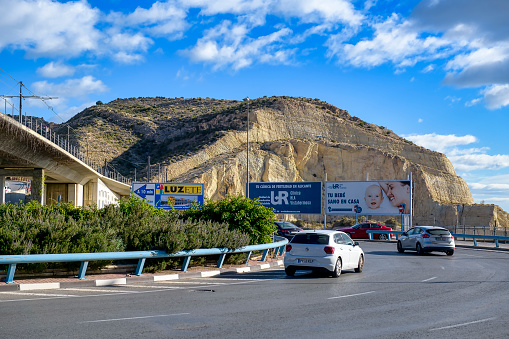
{"x":58,"y":171}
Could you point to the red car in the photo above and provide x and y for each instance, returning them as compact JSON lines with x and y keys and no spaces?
{"x":358,"y":231}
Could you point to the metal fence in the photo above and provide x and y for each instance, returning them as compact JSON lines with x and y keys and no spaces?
{"x":63,"y":142}
{"x":480,"y":230}
{"x":12,"y":260}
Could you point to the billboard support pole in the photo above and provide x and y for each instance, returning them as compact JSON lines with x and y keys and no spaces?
{"x":325,"y":197}
{"x":411,"y":200}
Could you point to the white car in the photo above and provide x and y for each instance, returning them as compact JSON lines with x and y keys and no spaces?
{"x":332,"y":251}
{"x":424,"y":239}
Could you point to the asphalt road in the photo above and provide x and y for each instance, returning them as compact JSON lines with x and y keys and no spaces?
{"x":397,"y":296}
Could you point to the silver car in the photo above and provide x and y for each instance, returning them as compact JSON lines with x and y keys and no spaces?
{"x":427,"y":239}
{"x":329,"y":251}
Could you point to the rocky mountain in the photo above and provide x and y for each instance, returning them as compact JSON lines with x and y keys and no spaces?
{"x":290,"y":139}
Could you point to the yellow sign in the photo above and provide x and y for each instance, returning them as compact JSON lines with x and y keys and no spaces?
{"x":183,"y":189}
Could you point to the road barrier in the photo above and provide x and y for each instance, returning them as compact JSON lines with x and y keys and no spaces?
{"x":496,"y":238}
{"x":84,"y":258}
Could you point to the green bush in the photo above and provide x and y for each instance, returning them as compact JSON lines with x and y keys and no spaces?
{"x":133,"y":225}
{"x":240,"y":213}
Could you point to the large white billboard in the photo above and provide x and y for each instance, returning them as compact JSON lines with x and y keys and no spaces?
{"x":368,"y":197}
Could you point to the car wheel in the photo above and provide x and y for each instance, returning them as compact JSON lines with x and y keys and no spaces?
{"x":360,"y":266}
{"x":449,"y":252}
{"x":382,"y":236}
{"x":418,"y":248}
{"x":400,"y":247}
{"x":290,"y":271}
{"x":337,"y":269}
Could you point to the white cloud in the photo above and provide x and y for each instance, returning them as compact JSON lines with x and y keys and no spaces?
{"x":48,"y":28}
{"x":308,"y":11}
{"x":440,"y":143}
{"x":472,"y":162}
{"x":69,"y":112}
{"x":420,"y":120}
{"x":395,"y":40}
{"x":429,"y":68}
{"x":452,"y":99}
{"x":463,"y":160}
{"x":228,"y":45}
{"x":473,"y":102}
{"x":72,"y":88}
{"x":55,"y":70}
{"x":496,"y":96}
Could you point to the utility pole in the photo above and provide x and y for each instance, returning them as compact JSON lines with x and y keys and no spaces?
{"x":21,"y":97}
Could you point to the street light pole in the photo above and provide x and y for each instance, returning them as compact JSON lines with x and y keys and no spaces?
{"x":247,"y":150}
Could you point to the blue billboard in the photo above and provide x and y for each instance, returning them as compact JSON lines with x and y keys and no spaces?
{"x":170,"y":195}
{"x":301,"y":197}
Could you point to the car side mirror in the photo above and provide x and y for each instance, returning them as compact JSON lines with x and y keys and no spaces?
{"x":404,"y":233}
{"x":356,"y":243}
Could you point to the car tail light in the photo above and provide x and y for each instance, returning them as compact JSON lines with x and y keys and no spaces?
{"x":425,"y":235}
{"x":452,"y":237}
{"x":329,"y":249}
{"x":288,"y":247}
{"x":285,"y":231}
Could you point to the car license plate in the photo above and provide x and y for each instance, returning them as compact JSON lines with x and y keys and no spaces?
{"x":304,"y":261}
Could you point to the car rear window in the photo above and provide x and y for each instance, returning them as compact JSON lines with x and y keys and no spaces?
{"x":287,"y":225}
{"x":439,"y":232}
{"x":311,"y":238}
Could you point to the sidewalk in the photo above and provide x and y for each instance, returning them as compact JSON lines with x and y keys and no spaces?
{"x":95,"y":280}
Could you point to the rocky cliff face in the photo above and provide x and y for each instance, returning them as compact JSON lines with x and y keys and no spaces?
{"x":302,"y":139}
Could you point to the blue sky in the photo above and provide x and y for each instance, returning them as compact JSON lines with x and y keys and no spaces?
{"x":434,"y":71}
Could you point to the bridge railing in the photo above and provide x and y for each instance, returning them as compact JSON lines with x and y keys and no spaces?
{"x":474,"y":237}
{"x":84,"y":258}
{"x":63,"y":142}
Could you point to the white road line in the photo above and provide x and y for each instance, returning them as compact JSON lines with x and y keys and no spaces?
{"x":132,"y":318}
{"x":38,"y":294}
{"x":188,"y":283}
{"x":118,"y":293}
{"x":352,"y":295}
{"x":428,"y":279}
{"x":464,"y":324}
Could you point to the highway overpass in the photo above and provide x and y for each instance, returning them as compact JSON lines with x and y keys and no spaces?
{"x":57,"y":170}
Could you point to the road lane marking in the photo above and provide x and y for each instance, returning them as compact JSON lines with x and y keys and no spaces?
{"x":464,"y":324}
{"x":352,"y":295}
{"x":38,"y":294}
{"x":132,"y":318}
{"x":118,"y":293}
{"x":425,"y":280}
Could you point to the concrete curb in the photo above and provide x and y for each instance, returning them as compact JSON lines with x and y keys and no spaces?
{"x":128,"y":280}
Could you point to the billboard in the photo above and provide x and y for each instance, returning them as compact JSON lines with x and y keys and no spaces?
{"x":384,"y":197}
{"x":169,"y":195}
{"x":301,"y":197}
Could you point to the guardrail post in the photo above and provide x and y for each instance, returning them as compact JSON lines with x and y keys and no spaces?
{"x":496,"y":242}
{"x":83,"y":270}
{"x":370,"y":236}
{"x":264,"y":256}
{"x":185,"y":263}
{"x":248,"y":257}
{"x":475,"y":242}
{"x":281,"y":250}
{"x":139,"y":268}
{"x":9,"y":279}
{"x":221,"y":260}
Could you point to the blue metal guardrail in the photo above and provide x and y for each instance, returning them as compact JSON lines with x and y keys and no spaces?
{"x":12,"y":260}
{"x":496,"y":238}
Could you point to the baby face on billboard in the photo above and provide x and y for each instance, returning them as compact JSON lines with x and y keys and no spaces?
{"x":373,"y":196}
